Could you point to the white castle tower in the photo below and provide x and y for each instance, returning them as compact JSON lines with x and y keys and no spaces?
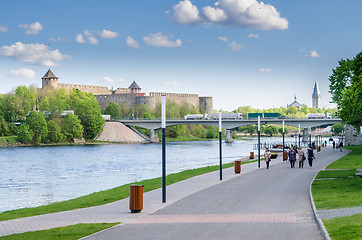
{"x":316,"y":96}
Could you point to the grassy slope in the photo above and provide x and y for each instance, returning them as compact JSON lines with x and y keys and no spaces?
{"x":343,"y":228}
{"x":351,"y":161}
{"x":103,"y":197}
{"x":62,"y":233}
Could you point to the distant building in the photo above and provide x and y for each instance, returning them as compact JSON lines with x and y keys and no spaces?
{"x":130,"y":96}
{"x":316,"y":96}
{"x":296,"y":104}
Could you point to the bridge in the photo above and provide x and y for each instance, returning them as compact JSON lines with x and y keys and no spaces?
{"x":228,"y":124}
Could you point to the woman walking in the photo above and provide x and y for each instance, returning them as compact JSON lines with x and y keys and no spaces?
{"x":292,"y":157}
{"x":311,"y":156}
{"x":301,"y":157}
{"x":267,"y":156}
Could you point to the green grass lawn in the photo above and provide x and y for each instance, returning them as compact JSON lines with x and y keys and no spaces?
{"x":343,"y":228}
{"x":336,"y":174}
{"x":111,"y":195}
{"x":351,"y":161}
{"x":62,"y":233}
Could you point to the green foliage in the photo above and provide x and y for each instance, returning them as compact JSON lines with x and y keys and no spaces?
{"x":4,"y":127}
{"x":212,"y":132}
{"x":148,"y":116}
{"x":175,"y":131}
{"x":346,"y":89}
{"x":113,"y":110}
{"x":72,"y":127}
{"x":337,"y":128}
{"x":271,"y":130}
{"x":37,"y":123}
{"x":54,"y":132}
{"x":24,"y":134}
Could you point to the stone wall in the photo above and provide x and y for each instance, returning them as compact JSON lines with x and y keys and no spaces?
{"x":352,"y":136}
{"x":178,"y":98}
{"x":96,"y":90}
{"x":128,"y":99}
{"x":206,"y":105}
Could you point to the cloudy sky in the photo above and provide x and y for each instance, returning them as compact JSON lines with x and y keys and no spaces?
{"x":240,"y":52}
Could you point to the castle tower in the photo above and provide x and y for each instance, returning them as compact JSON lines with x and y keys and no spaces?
{"x":49,"y":80}
{"x":134,"y":87}
{"x":316,"y":96}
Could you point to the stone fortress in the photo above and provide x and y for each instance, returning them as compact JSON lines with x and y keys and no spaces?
{"x":130,"y":96}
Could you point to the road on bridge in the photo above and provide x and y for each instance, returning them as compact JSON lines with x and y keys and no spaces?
{"x":261,"y":204}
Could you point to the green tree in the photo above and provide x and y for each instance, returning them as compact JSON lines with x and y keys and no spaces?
{"x":114,"y":110}
{"x":346,"y":89}
{"x":212,"y":132}
{"x":337,"y":128}
{"x":175,"y":131}
{"x":24,"y":134}
{"x":38,"y":126}
{"x":54,"y":132}
{"x":270,"y":130}
{"x":72,"y":127}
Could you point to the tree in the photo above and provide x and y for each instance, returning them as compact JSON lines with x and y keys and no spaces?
{"x":346,"y":89}
{"x":175,"y":131}
{"x":38,"y":126}
{"x":337,"y":128}
{"x":270,"y":130}
{"x":72,"y":127}
{"x":24,"y":134}
{"x":114,"y":110}
{"x":54,"y":132}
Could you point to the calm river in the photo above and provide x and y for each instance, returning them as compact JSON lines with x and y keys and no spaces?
{"x":33,"y":176}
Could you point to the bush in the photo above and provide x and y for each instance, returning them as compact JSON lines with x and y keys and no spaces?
{"x":24,"y":134}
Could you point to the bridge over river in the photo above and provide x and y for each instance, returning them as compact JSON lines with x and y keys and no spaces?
{"x":228,"y":124}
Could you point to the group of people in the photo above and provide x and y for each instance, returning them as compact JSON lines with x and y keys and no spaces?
{"x":292,"y":154}
{"x":340,"y":145}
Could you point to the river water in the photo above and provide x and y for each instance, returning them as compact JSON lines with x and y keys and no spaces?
{"x":33,"y":176}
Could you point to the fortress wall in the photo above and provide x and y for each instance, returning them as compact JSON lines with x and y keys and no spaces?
{"x":120,"y":99}
{"x":147,"y":100}
{"x":179,"y":98}
{"x":206,"y":104}
{"x":122,"y":90}
{"x":96,"y":90}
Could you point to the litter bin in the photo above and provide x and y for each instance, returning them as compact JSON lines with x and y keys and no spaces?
{"x":136,"y":198}
{"x":237,"y":166}
{"x":285,"y":155}
{"x":319,"y":148}
{"x":251,"y":155}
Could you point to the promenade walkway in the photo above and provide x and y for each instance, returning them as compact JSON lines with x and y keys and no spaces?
{"x":256,"y":204}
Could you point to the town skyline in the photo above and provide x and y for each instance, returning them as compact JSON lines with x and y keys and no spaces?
{"x":241,"y":53}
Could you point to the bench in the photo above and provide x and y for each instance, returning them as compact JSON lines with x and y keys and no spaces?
{"x":273,"y":156}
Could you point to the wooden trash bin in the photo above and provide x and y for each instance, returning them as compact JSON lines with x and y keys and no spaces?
{"x":319,"y":148}
{"x":237,"y":166}
{"x":251,"y":155}
{"x":285,"y":155}
{"x":136,"y":198}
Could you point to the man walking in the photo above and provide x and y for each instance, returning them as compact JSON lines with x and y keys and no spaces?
{"x":292,"y":157}
{"x":311,"y":156}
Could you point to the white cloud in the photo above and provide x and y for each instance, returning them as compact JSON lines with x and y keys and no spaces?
{"x":80,"y":39}
{"x":22,"y":73}
{"x":3,"y":29}
{"x":33,"y":28}
{"x":88,"y":36}
{"x":264,"y":70}
{"x":58,"y":39}
{"x":110,"y":80}
{"x":132,"y":43}
{"x":185,"y":13}
{"x":171,"y":84}
{"x":37,"y":54}
{"x":251,"y":35}
{"x":224,"y":39}
{"x":160,"y":40}
{"x":235,"y":46}
{"x":313,"y":54}
{"x":234,"y":13}
{"x":108,"y":34}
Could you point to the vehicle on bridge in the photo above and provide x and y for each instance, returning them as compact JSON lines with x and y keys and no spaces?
{"x":197,"y":117}
{"x":318,"y":116}
{"x":233,"y":116}
{"x":265,"y":115}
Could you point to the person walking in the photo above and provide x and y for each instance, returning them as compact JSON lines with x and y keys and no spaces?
{"x":334,"y":144}
{"x":267,"y":156}
{"x":340,"y":146}
{"x":301,"y":157}
{"x":311,"y":156}
{"x":292,"y":157}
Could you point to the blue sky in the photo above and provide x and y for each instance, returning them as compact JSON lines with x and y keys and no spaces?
{"x":240,"y":52}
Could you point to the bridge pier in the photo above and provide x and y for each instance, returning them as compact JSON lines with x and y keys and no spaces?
{"x":153,"y":136}
{"x":229,"y":136}
{"x":305,"y":138}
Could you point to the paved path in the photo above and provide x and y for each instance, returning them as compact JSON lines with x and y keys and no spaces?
{"x":256,"y":204}
{"x":262,"y":204}
{"x":341,"y":212}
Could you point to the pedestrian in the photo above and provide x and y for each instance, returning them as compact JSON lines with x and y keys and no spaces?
{"x":267,"y":156}
{"x":301,"y":157}
{"x":334,"y":144}
{"x":340,"y":146}
{"x":325,"y":143}
{"x":311,"y":156}
{"x":292,"y":157}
